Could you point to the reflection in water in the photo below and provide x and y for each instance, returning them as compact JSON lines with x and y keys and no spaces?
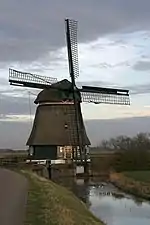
{"x":119,"y":211}
{"x":108,"y":203}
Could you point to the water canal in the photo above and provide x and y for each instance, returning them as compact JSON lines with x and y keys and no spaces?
{"x":110,"y":204}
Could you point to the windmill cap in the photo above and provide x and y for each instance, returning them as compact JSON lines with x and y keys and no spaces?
{"x":58,"y":92}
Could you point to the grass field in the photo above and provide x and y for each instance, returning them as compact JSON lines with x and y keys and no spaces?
{"x":143,"y":176}
{"x":51,"y":204}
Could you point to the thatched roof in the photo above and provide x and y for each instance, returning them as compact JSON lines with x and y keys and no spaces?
{"x":60,"y":91}
{"x":56,"y":125}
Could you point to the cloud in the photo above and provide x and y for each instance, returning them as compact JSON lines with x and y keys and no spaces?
{"x":16,"y":105}
{"x":105,"y":62}
{"x":142,"y":66}
{"x":136,"y":113}
{"x":139,"y":89}
{"x":30,"y":29}
{"x":16,"y":118}
{"x":114,"y":111}
{"x":105,"y":129}
{"x":103,"y":59}
{"x":14,"y":134}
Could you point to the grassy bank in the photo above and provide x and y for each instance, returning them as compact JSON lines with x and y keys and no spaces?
{"x":51,"y":204}
{"x":142,"y":176}
{"x":136,"y":183}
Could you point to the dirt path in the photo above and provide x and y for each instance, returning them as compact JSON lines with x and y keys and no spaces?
{"x":13,"y":196}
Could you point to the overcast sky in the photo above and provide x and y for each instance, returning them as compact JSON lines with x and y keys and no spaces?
{"x":114,"y":51}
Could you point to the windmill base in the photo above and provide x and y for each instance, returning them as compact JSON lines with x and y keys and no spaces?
{"x":79,"y":170}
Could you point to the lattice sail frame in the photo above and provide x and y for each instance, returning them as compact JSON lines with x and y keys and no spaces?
{"x":72,"y":44}
{"x":18,"y":77}
{"x":100,"y":98}
{"x":37,"y":81}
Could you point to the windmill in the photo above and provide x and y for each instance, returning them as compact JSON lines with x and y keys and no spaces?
{"x":58,"y":119}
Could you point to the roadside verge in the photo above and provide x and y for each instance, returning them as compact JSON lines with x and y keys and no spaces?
{"x":51,"y":204}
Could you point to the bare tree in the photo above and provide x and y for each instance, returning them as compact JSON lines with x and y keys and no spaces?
{"x":123,"y":143}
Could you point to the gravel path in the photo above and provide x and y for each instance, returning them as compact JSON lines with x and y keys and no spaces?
{"x":13,"y":196}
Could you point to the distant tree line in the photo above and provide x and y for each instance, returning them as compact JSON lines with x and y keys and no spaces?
{"x":132,"y":153}
{"x":124,"y":143}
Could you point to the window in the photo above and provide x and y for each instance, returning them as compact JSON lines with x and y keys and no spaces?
{"x":66,"y":126}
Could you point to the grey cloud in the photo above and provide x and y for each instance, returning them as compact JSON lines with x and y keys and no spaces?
{"x":16,"y":105}
{"x":30,"y":29}
{"x":10,"y":132}
{"x":105,"y":65}
{"x":142,"y":66}
{"x":94,"y":83}
{"x":3,"y":81}
{"x":139,"y":89}
{"x":105,"y":129}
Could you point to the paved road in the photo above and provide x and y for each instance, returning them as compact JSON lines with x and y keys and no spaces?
{"x":13,"y":197}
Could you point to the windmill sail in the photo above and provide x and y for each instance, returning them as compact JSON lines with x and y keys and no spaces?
{"x":99,"y":98}
{"x":99,"y":95}
{"x":89,"y":94}
{"x":19,"y":78}
{"x":72,"y":47}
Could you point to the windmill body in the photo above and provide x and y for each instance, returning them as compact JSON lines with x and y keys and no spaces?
{"x":58,"y":125}
{"x":54,"y":131}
